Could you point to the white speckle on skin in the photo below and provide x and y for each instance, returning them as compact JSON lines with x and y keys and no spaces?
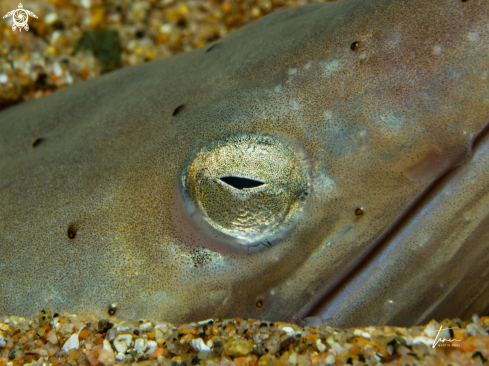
{"x":292,"y":71}
{"x":473,"y":36}
{"x":437,"y":50}
{"x":308,"y":65}
{"x":394,"y":39}
{"x":328,"y":114}
{"x":272,"y":292}
{"x":278,"y":88}
{"x":3,"y":79}
{"x":330,"y":67}
{"x":295,"y":105}
{"x":390,"y":125}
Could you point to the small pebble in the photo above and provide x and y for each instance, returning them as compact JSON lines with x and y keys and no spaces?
{"x":71,"y":343}
{"x":122,"y":342}
{"x":199,"y":345}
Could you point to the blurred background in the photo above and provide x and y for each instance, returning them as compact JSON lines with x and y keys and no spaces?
{"x":74,"y":40}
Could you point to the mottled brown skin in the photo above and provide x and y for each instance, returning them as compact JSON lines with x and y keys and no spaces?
{"x":376,"y":125}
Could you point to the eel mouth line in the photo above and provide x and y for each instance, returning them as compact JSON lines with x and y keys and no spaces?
{"x":381,"y":244}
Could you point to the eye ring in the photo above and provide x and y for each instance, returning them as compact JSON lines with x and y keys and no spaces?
{"x":246,"y":191}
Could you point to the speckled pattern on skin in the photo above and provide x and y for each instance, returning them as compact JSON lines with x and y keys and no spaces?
{"x":378,"y":121}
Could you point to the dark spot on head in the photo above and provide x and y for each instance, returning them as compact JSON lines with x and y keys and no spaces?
{"x":140,"y":34}
{"x":464,"y":1}
{"x":355,"y":45}
{"x":359,"y":211}
{"x":135,"y":332}
{"x":259,"y":303}
{"x":213,"y":47}
{"x":178,"y":110}
{"x":65,"y":61}
{"x":241,"y":183}
{"x":71,"y":232}
{"x":112,"y":309}
{"x":55,"y":315}
{"x":36,"y":143}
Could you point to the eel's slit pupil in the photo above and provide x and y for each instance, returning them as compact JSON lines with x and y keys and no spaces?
{"x":241,"y":183}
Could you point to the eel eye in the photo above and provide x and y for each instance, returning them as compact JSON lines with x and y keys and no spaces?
{"x":245,"y":191}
